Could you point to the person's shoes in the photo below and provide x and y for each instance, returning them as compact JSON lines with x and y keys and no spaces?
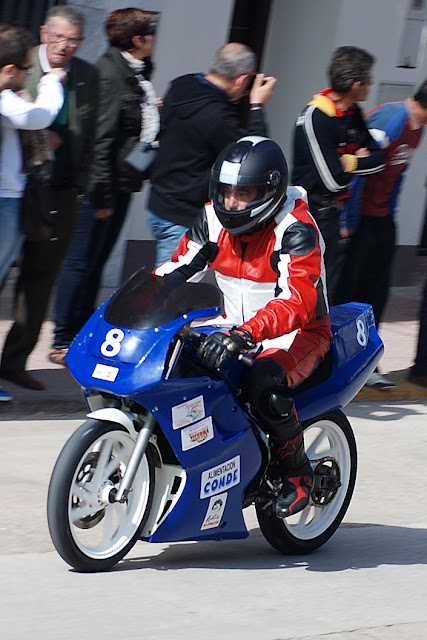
{"x":294,"y":495}
{"x":57,"y":356}
{"x":5,"y":396}
{"x":22,"y":378}
{"x":421,"y":381}
{"x":379,"y":381}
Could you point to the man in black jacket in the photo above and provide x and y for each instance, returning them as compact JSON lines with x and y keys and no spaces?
{"x":128,"y":115}
{"x":332,"y":145}
{"x":199,"y":118}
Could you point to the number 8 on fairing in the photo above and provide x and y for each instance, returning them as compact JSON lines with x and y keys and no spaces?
{"x":112,"y":344}
{"x":362,"y":334}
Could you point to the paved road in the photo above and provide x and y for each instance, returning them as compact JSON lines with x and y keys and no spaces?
{"x":368,"y":582}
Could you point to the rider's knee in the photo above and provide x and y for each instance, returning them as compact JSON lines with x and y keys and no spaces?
{"x":266,"y":389}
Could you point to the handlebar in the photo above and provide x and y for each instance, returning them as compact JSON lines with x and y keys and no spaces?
{"x":188,"y":332}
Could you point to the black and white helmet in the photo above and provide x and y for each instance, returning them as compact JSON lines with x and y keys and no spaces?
{"x":252,"y":161}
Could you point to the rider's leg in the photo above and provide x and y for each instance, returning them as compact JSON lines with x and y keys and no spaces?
{"x":265,"y":388}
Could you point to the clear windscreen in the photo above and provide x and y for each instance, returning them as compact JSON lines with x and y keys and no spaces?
{"x":146,"y":301}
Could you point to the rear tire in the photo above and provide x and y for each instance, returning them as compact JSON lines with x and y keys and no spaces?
{"x":331,"y":448}
{"x":88,"y":531}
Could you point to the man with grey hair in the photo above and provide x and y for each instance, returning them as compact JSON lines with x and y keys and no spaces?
{"x":199,"y":118}
{"x":71,"y":137}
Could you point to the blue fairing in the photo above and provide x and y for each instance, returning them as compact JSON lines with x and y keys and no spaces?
{"x":356,"y":350}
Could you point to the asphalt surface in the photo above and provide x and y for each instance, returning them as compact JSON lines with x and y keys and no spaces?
{"x":62,"y":396}
{"x":368,"y":582}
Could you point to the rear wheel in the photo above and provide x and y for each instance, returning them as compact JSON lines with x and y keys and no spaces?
{"x":331,"y":448}
{"x":89,"y":530}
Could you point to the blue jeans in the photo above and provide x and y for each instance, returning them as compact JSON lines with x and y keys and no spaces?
{"x":167,"y":235}
{"x":11,"y":237}
{"x":80,"y":276}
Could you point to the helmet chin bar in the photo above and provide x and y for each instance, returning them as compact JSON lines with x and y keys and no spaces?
{"x":261,"y":207}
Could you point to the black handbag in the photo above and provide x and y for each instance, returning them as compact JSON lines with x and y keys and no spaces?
{"x":37,"y":214}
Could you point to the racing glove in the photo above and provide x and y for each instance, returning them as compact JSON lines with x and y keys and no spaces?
{"x":217,"y":347}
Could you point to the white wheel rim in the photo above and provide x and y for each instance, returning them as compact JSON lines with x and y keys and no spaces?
{"x":87,"y":497}
{"x":323,"y":439}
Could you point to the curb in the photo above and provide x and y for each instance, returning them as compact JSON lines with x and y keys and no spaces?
{"x":36,"y":410}
{"x":404,"y":390}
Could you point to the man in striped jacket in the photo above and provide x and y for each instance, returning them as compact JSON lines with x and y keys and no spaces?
{"x":332,"y":145}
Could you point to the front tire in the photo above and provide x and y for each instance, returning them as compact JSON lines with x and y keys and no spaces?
{"x":331,"y":448}
{"x":88,"y":531}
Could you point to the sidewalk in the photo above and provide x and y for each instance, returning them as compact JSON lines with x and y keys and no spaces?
{"x":62,"y":396}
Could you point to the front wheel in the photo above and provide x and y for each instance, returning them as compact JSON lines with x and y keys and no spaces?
{"x":331,"y":448}
{"x":89,"y":531}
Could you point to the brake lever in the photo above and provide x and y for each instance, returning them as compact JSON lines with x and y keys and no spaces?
{"x":246,"y":361}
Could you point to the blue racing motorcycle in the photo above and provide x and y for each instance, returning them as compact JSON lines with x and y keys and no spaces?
{"x":169,"y":453}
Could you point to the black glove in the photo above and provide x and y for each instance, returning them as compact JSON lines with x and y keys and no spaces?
{"x":217,"y":347}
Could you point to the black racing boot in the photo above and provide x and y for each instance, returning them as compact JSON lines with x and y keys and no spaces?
{"x":295,"y":495}
{"x":296,"y":471}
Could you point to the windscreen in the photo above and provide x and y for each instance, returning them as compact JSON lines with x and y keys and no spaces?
{"x":146,"y":301}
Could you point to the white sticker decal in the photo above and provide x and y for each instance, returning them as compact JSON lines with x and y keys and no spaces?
{"x":197,"y":434}
{"x":217,"y":479}
{"x":214,"y":513}
{"x":104,"y":372}
{"x":188,"y":412}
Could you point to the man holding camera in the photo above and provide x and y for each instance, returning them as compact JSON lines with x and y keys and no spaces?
{"x":199,"y":118}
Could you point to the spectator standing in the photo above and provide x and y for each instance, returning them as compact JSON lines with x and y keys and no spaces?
{"x":373,"y":205}
{"x":128,"y":114}
{"x":199,"y":118}
{"x":16,"y":47}
{"x":331,"y":145}
{"x":71,"y":135}
{"x":418,"y":373}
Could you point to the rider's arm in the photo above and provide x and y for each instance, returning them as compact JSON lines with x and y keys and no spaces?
{"x":195,"y":251}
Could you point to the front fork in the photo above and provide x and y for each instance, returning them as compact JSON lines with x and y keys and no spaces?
{"x":124,"y":419}
{"x":135,"y":459}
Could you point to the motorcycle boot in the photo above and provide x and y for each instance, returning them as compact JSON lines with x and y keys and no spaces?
{"x":296,"y":471}
{"x":271,"y":400}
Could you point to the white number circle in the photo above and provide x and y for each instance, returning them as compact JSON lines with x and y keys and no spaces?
{"x":361,"y":336}
{"x":112,"y":346}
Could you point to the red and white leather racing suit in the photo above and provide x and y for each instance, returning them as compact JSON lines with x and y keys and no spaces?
{"x":271,"y":280}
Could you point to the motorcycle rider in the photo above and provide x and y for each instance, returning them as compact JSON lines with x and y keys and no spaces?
{"x":265,"y":249}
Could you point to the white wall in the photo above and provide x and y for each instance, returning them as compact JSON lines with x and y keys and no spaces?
{"x":299,"y":42}
{"x":378,"y":26}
